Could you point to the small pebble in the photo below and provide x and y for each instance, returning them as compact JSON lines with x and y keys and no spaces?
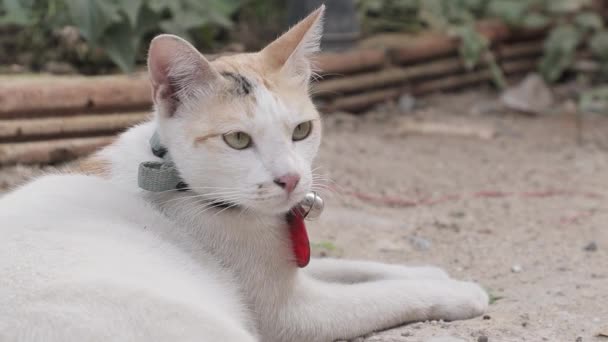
{"x":420,"y":243}
{"x":591,"y":247}
{"x":482,"y":338}
{"x":406,"y":103}
{"x":486,"y":317}
{"x":579,"y":339}
{"x":516,"y":268}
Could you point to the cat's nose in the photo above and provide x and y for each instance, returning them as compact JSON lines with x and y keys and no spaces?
{"x":288,"y":181}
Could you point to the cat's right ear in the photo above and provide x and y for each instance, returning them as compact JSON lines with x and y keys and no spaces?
{"x":177,"y":72}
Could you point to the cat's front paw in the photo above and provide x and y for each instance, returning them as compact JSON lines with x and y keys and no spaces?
{"x":429,"y":272}
{"x":463,"y":300}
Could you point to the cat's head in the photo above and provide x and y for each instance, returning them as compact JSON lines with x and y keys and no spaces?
{"x":241,"y":129}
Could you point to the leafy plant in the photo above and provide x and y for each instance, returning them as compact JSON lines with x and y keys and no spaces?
{"x":560,"y":48}
{"x":572,"y":21}
{"x":118,"y":28}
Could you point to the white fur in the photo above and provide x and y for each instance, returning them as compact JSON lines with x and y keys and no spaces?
{"x":89,"y":259}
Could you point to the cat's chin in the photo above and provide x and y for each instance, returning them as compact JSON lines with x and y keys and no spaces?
{"x":278,"y":207}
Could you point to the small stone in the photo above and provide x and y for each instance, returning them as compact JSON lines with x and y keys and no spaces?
{"x":516,"y":268}
{"x":419,"y":243}
{"x":482,"y":338}
{"x":531,"y":96}
{"x":487,"y":317}
{"x":591,"y":247}
{"x":457,"y":214}
{"x":579,"y":339}
{"x":406,"y":103}
{"x":406,"y":334}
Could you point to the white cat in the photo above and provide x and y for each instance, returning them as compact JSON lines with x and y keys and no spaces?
{"x":86,"y":258}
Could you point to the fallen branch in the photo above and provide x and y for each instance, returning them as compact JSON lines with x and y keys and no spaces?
{"x":406,"y":127}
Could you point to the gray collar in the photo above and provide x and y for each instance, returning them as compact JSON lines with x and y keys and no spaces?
{"x":158,"y":176}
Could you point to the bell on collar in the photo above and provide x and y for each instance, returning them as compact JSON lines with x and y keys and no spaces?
{"x":311,"y":206}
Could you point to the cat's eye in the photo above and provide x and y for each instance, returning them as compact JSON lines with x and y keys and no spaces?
{"x":238,"y":140}
{"x":302,"y":131}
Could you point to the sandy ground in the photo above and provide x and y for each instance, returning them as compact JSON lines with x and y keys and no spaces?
{"x":525,"y":214}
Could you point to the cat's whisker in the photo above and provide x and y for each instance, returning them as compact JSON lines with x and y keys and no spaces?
{"x":209,"y":196}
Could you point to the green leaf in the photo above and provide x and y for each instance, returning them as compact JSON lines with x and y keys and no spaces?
{"x":174,"y":27}
{"x":594,"y":101}
{"x":535,"y":20}
{"x":510,"y":11}
{"x":17,"y":13}
{"x":559,"y":51}
{"x":120,"y":44}
{"x":147,"y":21}
{"x":431,"y":12}
{"x":598,"y":44}
{"x":498,"y":76}
{"x":131,"y":9}
{"x":224,"y":7}
{"x":157,"y":5}
{"x":566,"y":6}
{"x":92,"y":17}
{"x":472,"y":45}
{"x":589,"y":21}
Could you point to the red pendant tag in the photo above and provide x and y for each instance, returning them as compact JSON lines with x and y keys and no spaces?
{"x":299,"y":238}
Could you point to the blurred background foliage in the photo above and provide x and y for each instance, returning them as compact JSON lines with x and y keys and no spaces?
{"x":95,"y":36}
{"x":574,"y":24}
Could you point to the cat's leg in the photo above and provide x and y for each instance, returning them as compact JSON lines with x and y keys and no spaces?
{"x":320,"y":311}
{"x":351,"y":271}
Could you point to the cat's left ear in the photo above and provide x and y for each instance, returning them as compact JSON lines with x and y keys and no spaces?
{"x":291,"y":53}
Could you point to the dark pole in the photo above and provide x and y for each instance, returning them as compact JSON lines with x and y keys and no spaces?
{"x":341,"y":22}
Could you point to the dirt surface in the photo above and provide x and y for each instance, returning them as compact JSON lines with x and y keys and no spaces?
{"x":525,"y":213}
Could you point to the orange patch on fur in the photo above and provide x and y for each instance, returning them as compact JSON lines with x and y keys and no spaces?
{"x":94,"y":166}
{"x":202,"y":139}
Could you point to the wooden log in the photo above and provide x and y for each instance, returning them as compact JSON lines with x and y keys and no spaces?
{"x":49,"y":95}
{"x":471,"y":78}
{"x":432,"y":45}
{"x":386,"y":77}
{"x":359,"y":102}
{"x":82,"y":125}
{"x":395,"y":75}
{"x":332,"y":63}
{"x":518,"y":50}
{"x":423,"y":47}
{"x":51,"y":151}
